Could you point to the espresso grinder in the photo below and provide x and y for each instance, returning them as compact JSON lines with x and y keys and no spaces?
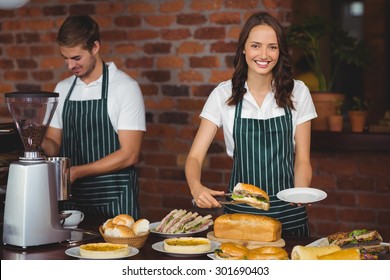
{"x":31,"y":215}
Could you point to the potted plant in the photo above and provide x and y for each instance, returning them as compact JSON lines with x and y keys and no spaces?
{"x":310,"y":37}
{"x":358,"y":113}
{"x":335,"y":122}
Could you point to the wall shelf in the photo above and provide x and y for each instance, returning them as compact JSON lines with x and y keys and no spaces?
{"x":349,"y":141}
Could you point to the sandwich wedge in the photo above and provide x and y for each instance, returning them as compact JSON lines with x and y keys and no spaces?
{"x":369,"y":242}
{"x":251,"y":195}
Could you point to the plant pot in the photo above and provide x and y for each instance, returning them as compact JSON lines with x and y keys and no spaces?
{"x":335,"y":123}
{"x":326,"y":104}
{"x":357,"y":120}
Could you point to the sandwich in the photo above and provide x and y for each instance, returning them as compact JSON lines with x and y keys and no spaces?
{"x":355,"y":238}
{"x":300,"y":252}
{"x":369,"y":242}
{"x":251,"y":195}
{"x":182,"y":221}
{"x":231,"y":251}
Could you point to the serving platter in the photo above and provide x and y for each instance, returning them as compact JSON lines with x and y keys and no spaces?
{"x":301,"y":195}
{"x":159,"y":246}
{"x":152,"y":228}
{"x":324,"y":242}
{"x":75,"y":252}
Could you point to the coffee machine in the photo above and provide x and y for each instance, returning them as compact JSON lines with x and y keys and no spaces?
{"x":31,"y":215}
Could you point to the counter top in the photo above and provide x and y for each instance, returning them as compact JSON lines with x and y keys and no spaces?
{"x":57,"y":251}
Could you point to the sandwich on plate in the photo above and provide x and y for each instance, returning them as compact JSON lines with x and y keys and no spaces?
{"x":369,"y":242}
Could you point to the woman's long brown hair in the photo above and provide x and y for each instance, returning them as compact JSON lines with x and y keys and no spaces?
{"x":283,"y":82}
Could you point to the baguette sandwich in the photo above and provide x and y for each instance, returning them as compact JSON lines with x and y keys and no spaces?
{"x":251,"y":195}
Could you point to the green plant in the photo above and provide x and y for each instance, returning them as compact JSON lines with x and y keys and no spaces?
{"x":359,"y":103}
{"x":309,"y":36}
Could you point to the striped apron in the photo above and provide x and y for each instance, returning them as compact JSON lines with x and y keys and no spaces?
{"x":264,"y":157}
{"x":88,"y":136}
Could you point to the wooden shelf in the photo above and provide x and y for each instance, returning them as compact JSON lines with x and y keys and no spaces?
{"x":349,"y":141}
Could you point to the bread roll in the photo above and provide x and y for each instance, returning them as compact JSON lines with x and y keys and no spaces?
{"x":247,"y":227}
{"x":141,"y":226}
{"x":344,"y":254}
{"x":108,"y":224}
{"x":123,"y":219}
{"x":312,"y":253}
{"x":123,"y":231}
{"x":187,"y":245}
{"x":104,"y":250}
{"x":267,"y":253}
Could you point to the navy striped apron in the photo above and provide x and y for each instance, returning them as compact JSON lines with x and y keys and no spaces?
{"x":264,"y":157}
{"x":88,"y":136}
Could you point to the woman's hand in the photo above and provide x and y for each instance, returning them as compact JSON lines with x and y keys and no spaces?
{"x":204,"y":197}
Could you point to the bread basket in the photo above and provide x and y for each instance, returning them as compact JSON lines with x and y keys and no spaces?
{"x":136,"y":241}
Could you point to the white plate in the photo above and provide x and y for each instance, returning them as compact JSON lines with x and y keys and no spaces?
{"x":324,"y":242}
{"x":212,"y":256}
{"x":153,"y":226}
{"x":75,"y":252}
{"x":301,"y":195}
{"x":159,"y":246}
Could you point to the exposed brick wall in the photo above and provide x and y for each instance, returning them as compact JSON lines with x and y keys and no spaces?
{"x":178,"y":50}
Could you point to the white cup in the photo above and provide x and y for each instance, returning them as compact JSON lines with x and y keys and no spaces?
{"x":73,"y":220}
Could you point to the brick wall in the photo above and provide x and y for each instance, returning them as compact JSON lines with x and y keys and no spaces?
{"x":178,"y":50}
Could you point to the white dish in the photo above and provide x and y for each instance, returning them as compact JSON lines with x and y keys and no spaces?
{"x":153,"y":226}
{"x":159,"y":246}
{"x":324,"y":242}
{"x":212,"y":256}
{"x":75,"y":252}
{"x":301,"y":195}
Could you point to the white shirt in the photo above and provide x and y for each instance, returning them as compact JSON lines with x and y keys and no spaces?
{"x":126,"y":107}
{"x":218,"y":112}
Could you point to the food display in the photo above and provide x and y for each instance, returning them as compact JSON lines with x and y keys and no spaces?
{"x":104,"y":250}
{"x":247,"y":227}
{"x":251,"y":195}
{"x":187,"y":245}
{"x":182,"y":221}
{"x":231,"y":251}
{"x":123,"y":225}
{"x":369,"y":242}
{"x":267,"y":253}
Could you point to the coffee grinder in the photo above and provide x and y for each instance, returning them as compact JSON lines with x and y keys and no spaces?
{"x":31,"y":215}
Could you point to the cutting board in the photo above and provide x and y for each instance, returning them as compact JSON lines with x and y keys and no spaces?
{"x":247,"y":243}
